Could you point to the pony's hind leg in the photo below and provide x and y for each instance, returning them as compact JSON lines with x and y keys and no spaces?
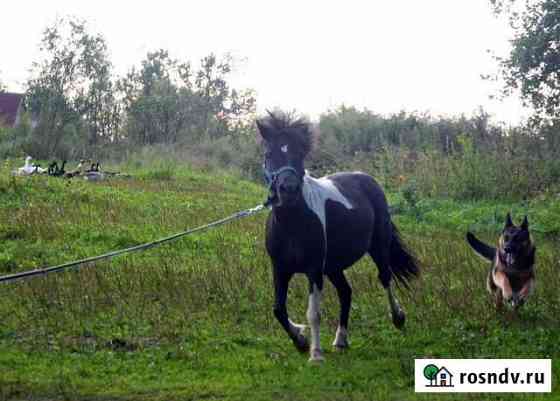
{"x":345,"y":297}
{"x":295,"y":331}
{"x":381,"y":257}
{"x":396,"y":311}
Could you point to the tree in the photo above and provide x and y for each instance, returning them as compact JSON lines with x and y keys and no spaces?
{"x":71,"y":91}
{"x":154,"y":99}
{"x":430,"y":371}
{"x":533,"y":64}
{"x":219,"y":106}
{"x":166,"y":101}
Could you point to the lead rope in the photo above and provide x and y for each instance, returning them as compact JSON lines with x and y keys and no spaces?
{"x":141,"y":247}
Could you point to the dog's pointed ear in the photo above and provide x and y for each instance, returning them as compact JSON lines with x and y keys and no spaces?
{"x":263,"y":129}
{"x":525,"y":224}
{"x":509,"y":223}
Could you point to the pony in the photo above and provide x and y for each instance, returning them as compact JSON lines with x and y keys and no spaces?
{"x":320,"y":227}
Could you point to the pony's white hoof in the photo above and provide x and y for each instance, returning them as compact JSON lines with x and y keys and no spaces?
{"x":316,"y":357}
{"x":341,"y":339}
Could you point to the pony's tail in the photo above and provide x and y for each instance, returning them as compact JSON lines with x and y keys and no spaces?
{"x":404,"y":264}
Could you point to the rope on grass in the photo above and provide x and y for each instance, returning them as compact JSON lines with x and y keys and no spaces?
{"x":141,"y":247}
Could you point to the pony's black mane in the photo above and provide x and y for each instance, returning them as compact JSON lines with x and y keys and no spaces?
{"x":297,"y":128}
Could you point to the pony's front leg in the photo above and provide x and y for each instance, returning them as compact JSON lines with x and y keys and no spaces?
{"x":295,"y":331}
{"x":314,"y":316}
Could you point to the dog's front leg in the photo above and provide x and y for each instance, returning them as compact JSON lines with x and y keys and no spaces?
{"x":502,"y":282}
{"x":524,"y":293}
{"x":498,"y":299}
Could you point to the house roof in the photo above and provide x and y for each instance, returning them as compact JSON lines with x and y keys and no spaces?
{"x":444,"y":370}
{"x":9,"y":105}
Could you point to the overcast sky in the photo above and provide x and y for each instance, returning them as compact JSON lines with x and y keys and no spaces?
{"x":386,"y":55}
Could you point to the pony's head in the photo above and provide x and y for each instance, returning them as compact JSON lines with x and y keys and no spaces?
{"x":287,"y":141}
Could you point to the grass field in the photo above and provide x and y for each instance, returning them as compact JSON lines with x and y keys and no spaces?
{"x":193,"y":320}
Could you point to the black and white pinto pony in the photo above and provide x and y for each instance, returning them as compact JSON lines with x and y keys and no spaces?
{"x":320,"y":227}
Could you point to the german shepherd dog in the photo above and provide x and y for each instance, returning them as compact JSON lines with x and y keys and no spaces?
{"x":512,"y":276}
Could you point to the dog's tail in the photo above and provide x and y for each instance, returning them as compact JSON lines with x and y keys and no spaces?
{"x":404,"y":264}
{"x":486,"y":251}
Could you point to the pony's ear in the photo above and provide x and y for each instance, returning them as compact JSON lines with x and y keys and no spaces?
{"x":525,"y":224}
{"x":509,"y":223}
{"x":263,"y":130}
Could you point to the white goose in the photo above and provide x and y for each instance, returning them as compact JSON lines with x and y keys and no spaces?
{"x":27,"y":169}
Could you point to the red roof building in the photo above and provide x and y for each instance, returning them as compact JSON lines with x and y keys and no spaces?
{"x":11,"y":107}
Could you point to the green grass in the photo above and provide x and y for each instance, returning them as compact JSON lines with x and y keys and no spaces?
{"x":193,"y":320}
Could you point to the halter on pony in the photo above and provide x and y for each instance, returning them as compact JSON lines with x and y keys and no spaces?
{"x":270,"y":177}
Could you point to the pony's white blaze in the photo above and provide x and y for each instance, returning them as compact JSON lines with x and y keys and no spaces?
{"x":316,"y":192}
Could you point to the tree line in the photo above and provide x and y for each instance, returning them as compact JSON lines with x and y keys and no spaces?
{"x":464,"y":157}
{"x":78,"y":105}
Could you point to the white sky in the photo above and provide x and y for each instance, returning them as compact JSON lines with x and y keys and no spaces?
{"x":386,"y":55}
